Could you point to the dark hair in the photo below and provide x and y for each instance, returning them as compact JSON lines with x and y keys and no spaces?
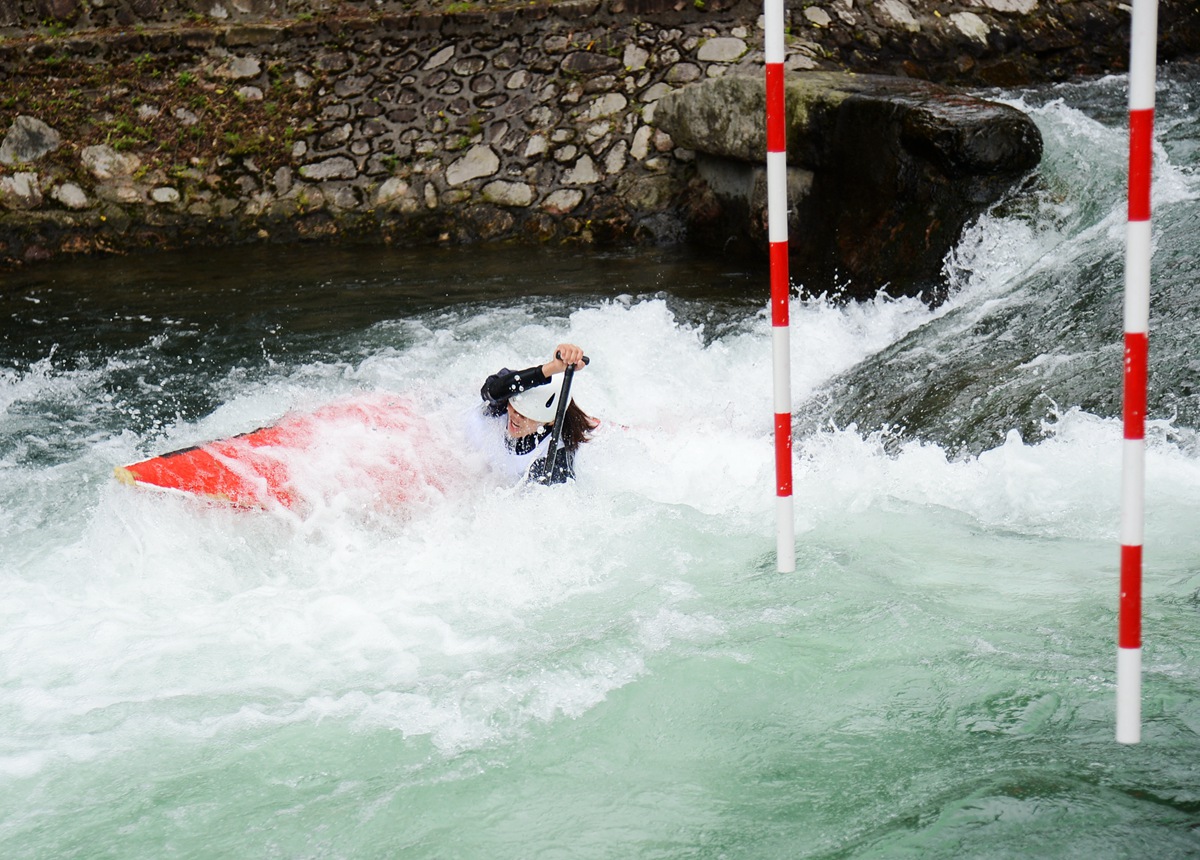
{"x":577,"y":427}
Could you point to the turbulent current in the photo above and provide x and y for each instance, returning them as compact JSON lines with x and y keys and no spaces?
{"x":613,"y":668}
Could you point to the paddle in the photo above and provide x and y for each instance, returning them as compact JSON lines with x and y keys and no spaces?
{"x":543,"y":469}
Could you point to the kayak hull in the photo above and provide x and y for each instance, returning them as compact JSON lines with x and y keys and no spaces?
{"x":379,"y":444}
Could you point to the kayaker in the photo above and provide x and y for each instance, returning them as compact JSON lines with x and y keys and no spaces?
{"x":528,"y":401}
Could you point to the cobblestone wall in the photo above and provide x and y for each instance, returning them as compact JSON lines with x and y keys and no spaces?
{"x":418,"y":128}
{"x":386,"y":123}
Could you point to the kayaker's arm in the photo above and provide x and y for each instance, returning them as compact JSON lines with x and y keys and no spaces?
{"x":503,"y":385}
{"x":500,"y":386}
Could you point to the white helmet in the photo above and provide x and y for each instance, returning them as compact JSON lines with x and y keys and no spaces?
{"x":540,"y":403}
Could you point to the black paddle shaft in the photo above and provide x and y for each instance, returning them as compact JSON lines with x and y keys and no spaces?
{"x":563,"y":400}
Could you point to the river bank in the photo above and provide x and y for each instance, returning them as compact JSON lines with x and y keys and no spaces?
{"x":160,"y":126}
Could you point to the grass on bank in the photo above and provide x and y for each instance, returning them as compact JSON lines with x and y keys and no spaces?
{"x":172,"y":112}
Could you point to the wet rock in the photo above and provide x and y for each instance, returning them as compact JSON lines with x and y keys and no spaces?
{"x":635,"y":58}
{"x":721,"y":117}
{"x":1019,"y":7}
{"x":120,"y":190}
{"x":440,"y":58}
{"x":240,"y":68}
{"x":971,"y":26}
{"x":394,"y":188}
{"x":537,"y":146}
{"x":818,"y":16}
{"x":27,"y":140}
{"x":59,"y":10}
{"x":562,"y":201}
{"x":589,"y":63}
{"x":479,"y":161}
{"x":684,"y":73}
{"x":505,"y":193}
{"x":898,"y":14}
{"x":20,"y":191}
{"x":649,"y":193}
{"x":583,"y":173}
{"x":105,"y":163}
{"x":605,"y":105}
{"x":70,"y":195}
{"x":338,"y":167}
{"x":897,"y":167}
{"x":722,"y":49}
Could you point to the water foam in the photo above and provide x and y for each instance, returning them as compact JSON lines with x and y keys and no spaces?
{"x":480,"y":613}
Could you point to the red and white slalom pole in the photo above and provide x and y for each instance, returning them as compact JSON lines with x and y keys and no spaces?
{"x":1142,"y":57}
{"x":777,"y":234}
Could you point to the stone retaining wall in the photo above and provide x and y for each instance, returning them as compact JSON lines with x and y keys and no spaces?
{"x":377,"y":121}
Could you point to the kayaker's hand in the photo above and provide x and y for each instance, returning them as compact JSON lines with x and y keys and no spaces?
{"x":564,"y":354}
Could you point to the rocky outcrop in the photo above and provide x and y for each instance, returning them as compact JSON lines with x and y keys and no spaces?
{"x":884,"y":172}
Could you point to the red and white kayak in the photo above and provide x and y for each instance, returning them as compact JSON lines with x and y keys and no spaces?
{"x":377,"y":445}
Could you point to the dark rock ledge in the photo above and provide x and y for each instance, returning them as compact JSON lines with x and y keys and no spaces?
{"x":884,"y":172}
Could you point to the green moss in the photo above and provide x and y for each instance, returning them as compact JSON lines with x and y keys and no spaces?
{"x":97,"y":103}
{"x":125,"y":144}
{"x":55,"y":29}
